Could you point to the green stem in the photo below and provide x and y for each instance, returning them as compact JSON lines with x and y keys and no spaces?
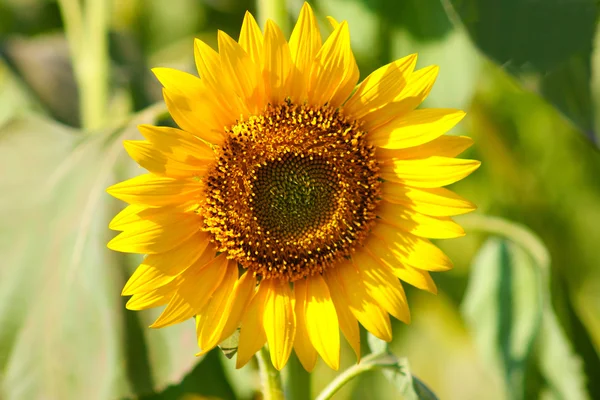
{"x":70,"y":11}
{"x":269,"y":376}
{"x":275,"y":10}
{"x":94,"y":65}
{"x":87,"y":34}
{"x":297,"y":380}
{"x":368,"y":363}
{"x":519,"y":234}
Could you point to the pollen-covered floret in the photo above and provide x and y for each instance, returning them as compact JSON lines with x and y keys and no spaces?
{"x":292,"y":192}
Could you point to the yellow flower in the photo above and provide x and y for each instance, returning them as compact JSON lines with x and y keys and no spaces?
{"x":290,"y":201}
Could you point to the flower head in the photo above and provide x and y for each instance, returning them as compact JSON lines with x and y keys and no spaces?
{"x":291,"y":201}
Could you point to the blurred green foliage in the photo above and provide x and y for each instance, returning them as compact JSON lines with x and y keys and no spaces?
{"x":526,"y":72}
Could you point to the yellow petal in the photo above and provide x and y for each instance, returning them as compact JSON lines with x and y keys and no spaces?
{"x":413,"y":276}
{"x":334,"y":73}
{"x":333,"y":22}
{"x":348,"y":322}
{"x":382,"y":285}
{"x":418,"y":86}
{"x":251,"y":38}
{"x":305,"y":43}
{"x":156,"y":232}
{"x":252,"y":333}
{"x":154,"y":298}
{"x":157,"y":162}
{"x":304,"y":349}
{"x":428,"y":172}
{"x":179,"y":82}
{"x":131,"y":215}
{"x":197,"y":116}
{"x":197,"y":285}
{"x":240,"y":297}
{"x":344,"y":279}
{"x":321,"y":321}
{"x":418,"y":224}
{"x":412,"y":250}
{"x":208,"y":63}
{"x":279,"y":320}
{"x":179,"y":145}
{"x":437,"y":202}
{"x":277,"y":64}
{"x":155,"y":190}
{"x":187,"y":97}
{"x":380,"y":87}
{"x":444,"y":146}
{"x":240,"y":72}
{"x":211,"y":320}
{"x":416,"y":90}
{"x":347,"y":85}
{"x":127,"y":216}
{"x":415,"y":128}
{"x":159,"y":269}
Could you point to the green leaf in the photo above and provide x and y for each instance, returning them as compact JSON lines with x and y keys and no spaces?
{"x":508,"y":310}
{"x":425,"y":20}
{"x":503,"y":309}
{"x":65,"y":332}
{"x":377,"y":345}
{"x":423,"y":392}
{"x":546,"y":44}
{"x":409,"y":386}
{"x":64,"y":340}
{"x":43,"y":66}
{"x":562,"y":368}
{"x":397,"y":371}
{"x":207,"y":379}
{"x":229,"y":346}
{"x":14,"y":98}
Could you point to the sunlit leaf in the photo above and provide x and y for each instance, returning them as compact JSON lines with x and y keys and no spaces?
{"x":397,"y":371}
{"x":558,"y":362}
{"x":64,"y":340}
{"x":229,"y":346}
{"x":502,"y":307}
{"x":65,"y":333}
{"x":14,"y":97}
{"x":508,"y":310}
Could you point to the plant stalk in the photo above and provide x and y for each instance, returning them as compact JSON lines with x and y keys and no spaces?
{"x":296,"y":380}
{"x":368,"y":363}
{"x":269,"y":376}
{"x":87,"y":33}
{"x":275,"y":10}
{"x":94,"y":65}
{"x":517,"y":233}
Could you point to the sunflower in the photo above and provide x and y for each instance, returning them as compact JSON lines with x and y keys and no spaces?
{"x":291,"y":201}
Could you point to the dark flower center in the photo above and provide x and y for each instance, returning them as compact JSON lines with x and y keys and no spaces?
{"x":292,"y":192}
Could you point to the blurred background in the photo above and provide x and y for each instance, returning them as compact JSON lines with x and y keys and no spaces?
{"x":517,"y":318}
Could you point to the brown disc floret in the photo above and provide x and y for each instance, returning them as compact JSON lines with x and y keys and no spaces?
{"x":293,"y":191}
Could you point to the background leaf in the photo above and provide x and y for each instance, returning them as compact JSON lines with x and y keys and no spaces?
{"x":56,"y":296}
{"x":44,"y":67}
{"x":561,"y":367}
{"x":507,"y":308}
{"x":65,"y":295}
{"x":546,"y":44}
{"x":397,"y":371}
